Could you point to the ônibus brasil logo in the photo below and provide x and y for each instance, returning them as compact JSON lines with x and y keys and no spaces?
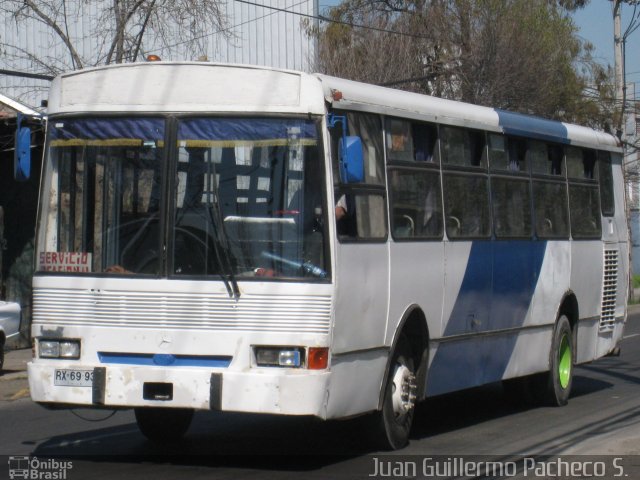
{"x":35,"y":469}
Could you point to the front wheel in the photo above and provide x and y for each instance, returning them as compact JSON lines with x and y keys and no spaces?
{"x":394,"y":421}
{"x":163,"y":425}
{"x":560,"y":376}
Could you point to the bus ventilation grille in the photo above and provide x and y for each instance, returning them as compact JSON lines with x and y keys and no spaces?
{"x":609,"y":290}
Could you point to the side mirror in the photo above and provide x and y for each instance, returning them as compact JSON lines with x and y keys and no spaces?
{"x":351,"y":160}
{"x":22,"y":156}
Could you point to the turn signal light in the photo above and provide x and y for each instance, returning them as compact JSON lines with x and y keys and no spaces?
{"x":318,"y":358}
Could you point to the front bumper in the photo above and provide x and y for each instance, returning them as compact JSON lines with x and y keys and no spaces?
{"x":268,"y":390}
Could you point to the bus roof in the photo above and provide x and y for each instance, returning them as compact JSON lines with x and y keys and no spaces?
{"x":366,"y":97}
{"x":201,"y":87}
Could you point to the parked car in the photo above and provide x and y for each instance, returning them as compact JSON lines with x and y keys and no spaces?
{"x":9,"y":325}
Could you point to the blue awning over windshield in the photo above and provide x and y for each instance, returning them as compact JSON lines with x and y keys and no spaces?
{"x":144,"y":129}
{"x":245,"y":129}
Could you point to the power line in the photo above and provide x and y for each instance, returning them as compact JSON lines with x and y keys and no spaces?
{"x":300,"y":14}
{"x":166,"y":47}
{"x":330,"y":20}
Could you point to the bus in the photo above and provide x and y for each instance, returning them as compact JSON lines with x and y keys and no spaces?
{"x":244,"y":239}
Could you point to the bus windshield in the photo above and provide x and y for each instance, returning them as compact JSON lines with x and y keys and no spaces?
{"x":233,"y":196}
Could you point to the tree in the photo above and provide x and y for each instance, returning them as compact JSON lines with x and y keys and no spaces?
{"x":117,"y":30}
{"x":521,"y":55}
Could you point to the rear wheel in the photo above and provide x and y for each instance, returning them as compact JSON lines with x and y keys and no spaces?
{"x":394,"y":421}
{"x":163,"y":425}
{"x":560,"y":376}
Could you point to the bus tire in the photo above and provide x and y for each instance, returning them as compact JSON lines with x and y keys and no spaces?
{"x":395,"y":418}
{"x":560,"y":376}
{"x":163,"y":425}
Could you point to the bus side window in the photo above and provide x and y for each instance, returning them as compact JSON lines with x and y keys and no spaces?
{"x":584,"y":202}
{"x":498,"y":152}
{"x":538,"y":157}
{"x":361,"y":208}
{"x":466,"y":206}
{"x":511,"y":207}
{"x":605,"y":176}
{"x":580,"y":163}
{"x":416,"y":203}
{"x":556,"y":160}
{"x":575,"y":163}
{"x":463,"y":147}
{"x":550,"y":209}
{"x":410,"y":141}
{"x":518,"y":155}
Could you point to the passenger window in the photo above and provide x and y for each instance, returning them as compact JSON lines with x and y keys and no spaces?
{"x":410,"y":141}
{"x":584,"y":202}
{"x":550,"y":209}
{"x":466,"y":204}
{"x":416,"y":204}
{"x":580,"y":163}
{"x":399,"y":140}
{"x":360,"y":216}
{"x":575,"y":167}
{"x":545,"y":159}
{"x":538,"y":157}
{"x":498,"y":154}
{"x":511,"y":208}
{"x":606,"y":184}
{"x":369,"y":128}
{"x":463,"y":147}
{"x":360,"y":209}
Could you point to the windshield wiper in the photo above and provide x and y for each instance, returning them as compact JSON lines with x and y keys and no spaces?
{"x":224,"y":259}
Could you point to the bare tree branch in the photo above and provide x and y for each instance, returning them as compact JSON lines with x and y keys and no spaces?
{"x":56,"y":28}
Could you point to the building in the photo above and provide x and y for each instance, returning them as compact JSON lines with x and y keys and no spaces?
{"x":273,"y":33}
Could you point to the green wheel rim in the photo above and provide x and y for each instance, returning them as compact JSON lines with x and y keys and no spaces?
{"x":564,"y":361}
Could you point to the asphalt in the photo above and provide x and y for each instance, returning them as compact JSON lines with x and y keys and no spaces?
{"x":15,"y":364}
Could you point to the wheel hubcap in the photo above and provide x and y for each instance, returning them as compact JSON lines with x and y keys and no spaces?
{"x":404,"y":390}
{"x":564,"y":361}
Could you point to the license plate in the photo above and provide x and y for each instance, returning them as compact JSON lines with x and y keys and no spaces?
{"x":73,"y":378}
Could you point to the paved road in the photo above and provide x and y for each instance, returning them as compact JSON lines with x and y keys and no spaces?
{"x":602,"y":418}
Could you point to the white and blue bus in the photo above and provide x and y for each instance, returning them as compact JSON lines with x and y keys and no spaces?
{"x":242,"y":239}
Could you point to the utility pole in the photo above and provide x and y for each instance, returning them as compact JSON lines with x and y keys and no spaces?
{"x":619,"y":65}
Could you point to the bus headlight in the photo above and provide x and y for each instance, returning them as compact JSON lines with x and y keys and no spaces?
{"x":278,"y":357}
{"x":49,"y":348}
{"x":63,"y":348}
{"x":70,"y":349}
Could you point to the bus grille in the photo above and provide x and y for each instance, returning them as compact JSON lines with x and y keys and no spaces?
{"x":609,"y":290}
{"x":264,"y":313}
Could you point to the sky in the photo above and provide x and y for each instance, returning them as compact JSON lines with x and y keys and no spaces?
{"x":596,"y":25}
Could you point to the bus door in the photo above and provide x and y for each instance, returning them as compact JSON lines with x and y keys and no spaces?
{"x":362,"y":251}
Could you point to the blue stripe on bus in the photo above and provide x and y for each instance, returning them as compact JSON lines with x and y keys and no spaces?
{"x":526,"y":125}
{"x":161,"y":359}
{"x":495,"y":294}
